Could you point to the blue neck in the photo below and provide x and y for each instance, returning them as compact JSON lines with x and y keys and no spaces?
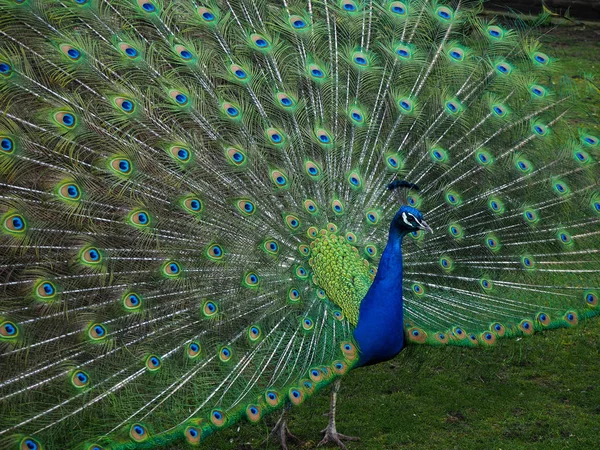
{"x":380,"y":330}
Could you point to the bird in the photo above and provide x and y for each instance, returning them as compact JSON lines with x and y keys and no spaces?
{"x":210,"y":210}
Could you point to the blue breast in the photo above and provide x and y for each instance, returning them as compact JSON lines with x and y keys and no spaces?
{"x":380,"y":330}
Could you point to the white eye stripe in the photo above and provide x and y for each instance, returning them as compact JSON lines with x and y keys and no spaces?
{"x":405,"y":219}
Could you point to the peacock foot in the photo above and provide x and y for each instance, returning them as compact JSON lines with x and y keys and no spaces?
{"x":282,"y":432}
{"x":333,"y":437}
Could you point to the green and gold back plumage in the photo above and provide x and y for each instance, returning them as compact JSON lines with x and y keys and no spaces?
{"x":193,"y":201}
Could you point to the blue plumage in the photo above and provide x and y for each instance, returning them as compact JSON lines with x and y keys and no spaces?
{"x":380,"y":329}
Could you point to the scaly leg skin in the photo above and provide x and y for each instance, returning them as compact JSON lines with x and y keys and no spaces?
{"x":331,"y":434}
{"x":282,"y":431}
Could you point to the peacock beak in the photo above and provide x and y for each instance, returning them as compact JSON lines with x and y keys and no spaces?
{"x":425,"y":227}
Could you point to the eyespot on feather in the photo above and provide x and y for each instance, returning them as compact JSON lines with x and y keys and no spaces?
{"x":14,"y":224}
{"x":253,"y":413}
{"x":495,"y":32}
{"x":296,"y":396}
{"x":404,"y":52}
{"x":498,"y":329}
{"x":254,"y":333}
{"x":526,"y":327}
{"x":398,"y":9}
{"x":349,"y":6}
{"x":180,"y":154}
{"x":192,"y":204}
{"x":128,"y":50}
{"x":184,"y":53}
{"x":8,"y":329}
{"x":307,"y":323}
{"x":286,"y":101}
{"x":492,"y":243}
{"x":486,"y":284}
{"x":456,"y":230}
{"x":80,"y":379}
{"x":207,"y":15}
{"x":272,"y":398}
{"x":339,"y":367}
{"x":65,"y":119}
{"x":271,"y":246}
{"x":292,"y":222}
{"x":293,"y":295}
{"x":178,"y":97}
{"x":251,"y":279}
{"x":217,"y":417}
{"x":97,"y":332}
{"x":280,"y":179}
{"x":313,"y":170}
{"x":209,"y":308}
{"x":29,"y":443}
{"x":72,"y":53}
{"x":132,"y":301}
{"x":355,"y":180}
{"x":139,"y":219}
{"x":124,"y":104}
{"x":304,"y":250}
{"x":239,"y":73}
{"x":193,"y":349}
{"x":193,"y":435}
{"x":337,"y":314}
{"x":571,"y":318}
{"x":7,"y":145}
{"x":260,"y":42}
{"x":459,"y":333}
{"x":171,"y":269}
{"x":442,"y":338}
{"x":372,"y":217}
{"x":137,"y":431}
{"x":298,"y":23}
{"x":418,"y":289}
{"x":543,"y":319}
{"x":236,"y":156}
{"x":45,"y":290}
{"x":225,"y":354}
{"x":315,"y":375}
{"x":456,"y":54}
{"x":90,"y":256}
{"x":301,"y":272}
{"x":121,"y":166}
{"x":69,"y":191}
{"x":215,"y":252}
{"x":357,"y":117}
{"x":444,"y":13}
{"x":349,"y":350}
{"x":5,"y":69}
{"x":591,"y":298}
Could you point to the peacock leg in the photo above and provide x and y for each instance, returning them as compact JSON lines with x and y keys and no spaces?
{"x":331,"y":434}
{"x":281,"y":431}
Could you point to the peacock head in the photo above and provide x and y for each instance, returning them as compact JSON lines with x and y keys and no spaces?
{"x":409,"y":219}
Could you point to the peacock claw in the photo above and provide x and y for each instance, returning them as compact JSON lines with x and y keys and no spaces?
{"x":282,"y":432}
{"x":330,"y":432}
{"x":333,"y":437}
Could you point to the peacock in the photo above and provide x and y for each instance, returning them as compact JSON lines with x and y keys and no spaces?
{"x":212,"y":209}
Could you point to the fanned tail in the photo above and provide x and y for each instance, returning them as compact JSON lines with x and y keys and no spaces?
{"x":166,"y":169}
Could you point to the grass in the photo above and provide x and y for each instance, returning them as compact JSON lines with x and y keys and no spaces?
{"x":540,"y":392}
